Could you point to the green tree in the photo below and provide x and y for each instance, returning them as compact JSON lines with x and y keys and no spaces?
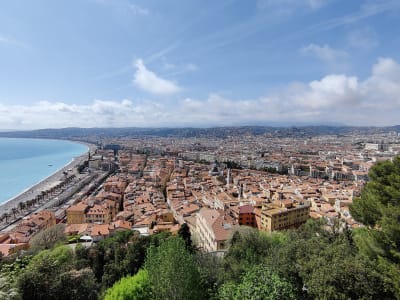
{"x":258,"y":283}
{"x":50,"y":275}
{"x":37,"y":281}
{"x":7,"y":289}
{"x":211,"y":268}
{"x":116,"y":257}
{"x":75,"y":285}
{"x":379,"y":209}
{"x":172,"y":271}
{"x":248,"y":247}
{"x":135,"y":287}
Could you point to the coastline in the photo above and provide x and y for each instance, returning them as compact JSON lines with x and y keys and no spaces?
{"x":46,"y":183}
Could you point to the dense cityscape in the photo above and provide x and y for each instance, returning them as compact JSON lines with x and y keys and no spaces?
{"x":192,"y":150}
{"x":209,"y":186}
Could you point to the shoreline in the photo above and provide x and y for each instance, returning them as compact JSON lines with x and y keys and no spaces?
{"x":46,"y":183}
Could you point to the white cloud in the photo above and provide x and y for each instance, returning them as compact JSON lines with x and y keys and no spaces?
{"x":151,"y":82}
{"x":324,"y":53}
{"x":335,"y":98}
{"x":99,"y":113}
{"x":332,"y":90}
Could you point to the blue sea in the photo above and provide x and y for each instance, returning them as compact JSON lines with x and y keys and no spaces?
{"x":25,"y":162}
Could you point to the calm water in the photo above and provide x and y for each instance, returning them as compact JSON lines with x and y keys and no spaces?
{"x":25,"y":162}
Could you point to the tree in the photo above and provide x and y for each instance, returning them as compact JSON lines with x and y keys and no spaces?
{"x":172,"y":271}
{"x":115,"y":257}
{"x":76,"y":284}
{"x":135,"y":287}
{"x":40,"y":277}
{"x":211,"y":268}
{"x":258,"y":283}
{"x":47,"y":238}
{"x":324,"y":264}
{"x":14,"y":211}
{"x":7,"y":290}
{"x":50,"y":275}
{"x":21,"y":206}
{"x":248,"y":247}
{"x":380,"y":195}
{"x":184,"y":233}
{"x":379,"y":209}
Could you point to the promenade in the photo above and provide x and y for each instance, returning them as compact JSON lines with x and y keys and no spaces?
{"x":55,"y":186}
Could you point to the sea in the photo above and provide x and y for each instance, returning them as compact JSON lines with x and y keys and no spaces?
{"x":25,"y":162}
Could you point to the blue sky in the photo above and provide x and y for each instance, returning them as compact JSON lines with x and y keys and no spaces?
{"x":115,"y":63}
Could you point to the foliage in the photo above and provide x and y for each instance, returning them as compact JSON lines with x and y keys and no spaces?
{"x":49,"y":275}
{"x":12,"y":269}
{"x":258,"y":283}
{"x":76,"y":284}
{"x":63,"y":255}
{"x":135,"y":287}
{"x":7,"y":289}
{"x":49,"y":237}
{"x":211,"y":268}
{"x":115,"y":257}
{"x":232,"y":165}
{"x":248,"y":247}
{"x":172,"y":271}
{"x":40,"y":276}
{"x":379,"y":209}
{"x":184,"y":233}
{"x":325,"y":264}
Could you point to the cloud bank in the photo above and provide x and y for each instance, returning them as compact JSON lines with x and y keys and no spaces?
{"x":335,"y":98}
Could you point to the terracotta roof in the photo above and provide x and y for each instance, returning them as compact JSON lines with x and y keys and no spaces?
{"x":246,"y":209}
{"x":100,"y":230}
{"x":220,"y":223}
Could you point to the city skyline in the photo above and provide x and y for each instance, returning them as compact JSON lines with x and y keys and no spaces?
{"x":102,"y":63}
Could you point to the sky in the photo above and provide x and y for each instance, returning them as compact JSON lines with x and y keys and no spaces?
{"x":198,"y":63}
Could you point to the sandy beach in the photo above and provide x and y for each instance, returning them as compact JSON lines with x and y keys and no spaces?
{"x":45,"y":184}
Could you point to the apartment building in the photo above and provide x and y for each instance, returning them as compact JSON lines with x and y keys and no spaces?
{"x":284,"y":214}
{"x":213,"y":228}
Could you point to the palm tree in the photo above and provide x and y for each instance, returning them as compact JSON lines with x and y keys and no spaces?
{"x":26,"y":203}
{"x":14,"y":211}
{"x":21,"y":206}
{"x":7,"y":215}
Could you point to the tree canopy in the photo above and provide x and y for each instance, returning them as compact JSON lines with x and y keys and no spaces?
{"x":379,"y":209}
{"x":135,"y":287}
{"x":172,"y":271}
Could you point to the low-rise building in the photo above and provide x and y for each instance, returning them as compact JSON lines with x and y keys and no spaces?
{"x":76,"y":213}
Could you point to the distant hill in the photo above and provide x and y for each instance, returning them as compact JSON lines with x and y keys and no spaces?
{"x":221,"y":132}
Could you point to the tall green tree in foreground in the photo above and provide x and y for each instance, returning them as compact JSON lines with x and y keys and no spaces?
{"x":135,"y":287}
{"x":172,"y":271}
{"x":379,"y":209}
